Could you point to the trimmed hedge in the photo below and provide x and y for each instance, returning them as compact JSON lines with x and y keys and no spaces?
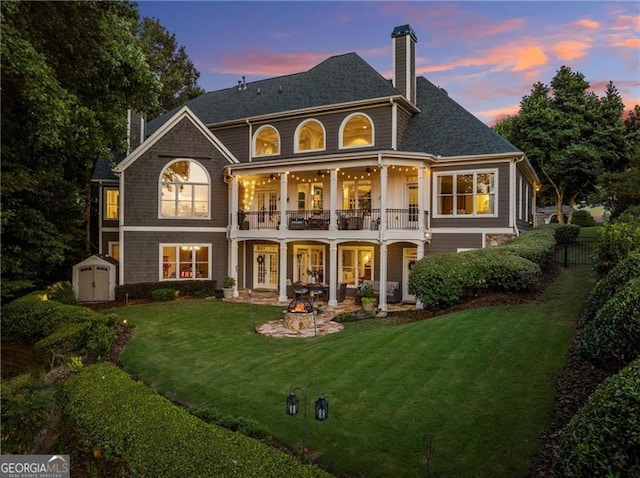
{"x":164,"y":295}
{"x":537,"y":245}
{"x":441,"y":280}
{"x":603,"y":438}
{"x":141,"y":433}
{"x":144,"y":290}
{"x":31,"y":317}
{"x":606,"y":288}
{"x":612,"y":338}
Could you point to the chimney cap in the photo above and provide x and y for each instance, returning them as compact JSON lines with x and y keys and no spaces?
{"x":403,"y":30}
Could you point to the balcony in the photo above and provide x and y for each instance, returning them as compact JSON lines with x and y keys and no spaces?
{"x":320,"y":219}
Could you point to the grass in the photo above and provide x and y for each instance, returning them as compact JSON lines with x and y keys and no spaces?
{"x":480,"y":381}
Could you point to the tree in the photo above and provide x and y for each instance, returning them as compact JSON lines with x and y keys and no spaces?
{"x":570,"y":135}
{"x":620,"y":189}
{"x":69,"y":70}
{"x":171,"y":64}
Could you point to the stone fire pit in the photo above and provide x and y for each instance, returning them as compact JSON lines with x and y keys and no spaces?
{"x":299,"y":315}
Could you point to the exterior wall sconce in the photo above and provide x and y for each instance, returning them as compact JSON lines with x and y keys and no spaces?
{"x":321,"y":409}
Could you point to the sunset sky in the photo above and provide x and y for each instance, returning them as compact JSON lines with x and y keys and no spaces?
{"x":487,"y":55}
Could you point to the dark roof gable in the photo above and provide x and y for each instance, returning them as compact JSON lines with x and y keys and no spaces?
{"x":445,"y":128}
{"x":338,"y":79}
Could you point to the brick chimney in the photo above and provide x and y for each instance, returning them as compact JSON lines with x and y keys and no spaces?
{"x":404,"y":61}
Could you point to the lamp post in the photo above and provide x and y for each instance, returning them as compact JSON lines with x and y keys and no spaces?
{"x":321,"y":408}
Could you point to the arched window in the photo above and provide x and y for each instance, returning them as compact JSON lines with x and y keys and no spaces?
{"x":309,"y":137}
{"x":266,"y":141}
{"x":184,"y":190}
{"x":356,"y":131}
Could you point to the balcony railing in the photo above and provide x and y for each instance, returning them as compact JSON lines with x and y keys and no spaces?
{"x":320,"y":219}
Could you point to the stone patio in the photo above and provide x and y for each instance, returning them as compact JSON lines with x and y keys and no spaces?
{"x":324,"y":324}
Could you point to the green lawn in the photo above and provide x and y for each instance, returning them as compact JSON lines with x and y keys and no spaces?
{"x":480,"y":381}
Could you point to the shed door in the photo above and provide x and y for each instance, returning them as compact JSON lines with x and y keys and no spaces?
{"x":93,"y":283}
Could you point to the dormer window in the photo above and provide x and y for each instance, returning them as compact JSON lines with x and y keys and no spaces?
{"x":266,"y":142}
{"x":356,"y":131}
{"x":309,"y":137}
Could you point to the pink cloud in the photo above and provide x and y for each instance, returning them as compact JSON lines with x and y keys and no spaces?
{"x":570,"y":50}
{"x":627,"y":22}
{"x":587,"y":23}
{"x":498,"y":114}
{"x":265,"y":63}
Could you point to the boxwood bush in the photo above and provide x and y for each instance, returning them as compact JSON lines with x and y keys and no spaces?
{"x":606,"y":287}
{"x":143,"y":290}
{"x":603,"y":438}
{"x":31,"y":317}
{"x":141,"y":433}
{"x":612,"y":338}
{"x":441,"y":280}
{"x":537,"y":245}
{"x":164,"y":295}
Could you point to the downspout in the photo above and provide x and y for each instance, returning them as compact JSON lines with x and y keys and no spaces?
{"x":514,"y":196}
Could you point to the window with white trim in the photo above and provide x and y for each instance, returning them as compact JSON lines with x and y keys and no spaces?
{"x":466,"y":193}
{"x":111,"y":205}
{"x":185,"y":261}
{"x":184,"y":190}
{"x":356,"y":131}
{"x":266,"y":141}
{"x":114,"y":250}
{"x":356,"y":264}
{"x":309,"y":136}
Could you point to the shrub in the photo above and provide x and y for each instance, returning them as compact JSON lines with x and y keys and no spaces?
{"x":441,"y":280}
{"x":246,"y":426}
{"x":605,"y":288}
{"x":583,"y":218}
{"x":31,"y":318}
{"x":27,"y":408}
{"x":537,"y":245}
{"x":100,"y":339}
{"x":67,"y":338}
{"x":354,"y":316}
{"x":566,"y":233}
{"x":612,"y":338}
{"x":617,"y":240}
{"x":142,"y":290}
{"x":164,"y":295}
{"x":229,"y":282}
{"x":142,"y":434}
{"x":12,"y":289}
{"x":603,"y":438}
{"x":62,"y":292}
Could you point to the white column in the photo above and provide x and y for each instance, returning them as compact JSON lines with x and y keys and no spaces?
{"x":283,"y":272}
{"x":333,"y":273}
{"x":383,"y":198}
{"x":419,"y":255}
{"x":383,"y":276}
{"x":421,"y":201}
{"x":333,"y":199}
{"x":283,"y":202}
{"x":233,"y":203}
{"x":233,"y":263}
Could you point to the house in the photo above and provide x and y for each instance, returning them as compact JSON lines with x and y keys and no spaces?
{"x":334,"y":175}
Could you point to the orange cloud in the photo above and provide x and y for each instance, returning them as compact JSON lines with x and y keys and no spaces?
{"x":587,"y":23}
{"x":521,"y":56}
{"x":631,"y":42}
{"x":495,"y":115}
{"x":570,"y":50}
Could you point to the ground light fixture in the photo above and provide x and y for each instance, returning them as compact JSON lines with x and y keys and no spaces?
{"x":321,"y":409}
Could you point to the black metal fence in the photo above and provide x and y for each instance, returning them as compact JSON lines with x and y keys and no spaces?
{"x":577,"y":254}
